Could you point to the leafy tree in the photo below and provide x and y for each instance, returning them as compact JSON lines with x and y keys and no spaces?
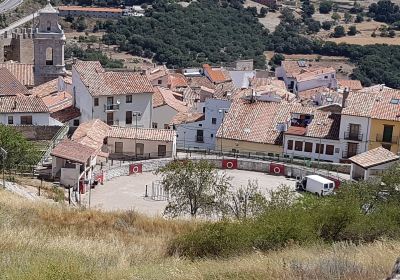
{"x":277,"y":59}
{"x":20,"y":151}
{"x":80,"y":24}
{"x":357,"y":8}
{"x":336,"y":17}
{"x":352,"y":30}
{"x":327,"y":25}
{"x":347,"y":17}
{"x":392,"y":33}
{"x":339,"y":31}
{"x":307,"y":8}
{"x":384,"y":11}
{"x":263,"y":12}
{"x":194,"y":188}
{"x":325,"y":7}
{"x":359,"y":18}
{"x":313,"y":26}
{"x":245,"y":202}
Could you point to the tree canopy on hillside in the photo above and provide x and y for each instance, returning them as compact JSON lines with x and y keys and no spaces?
{"x":204,"y":32}
{"x":385,"y":11}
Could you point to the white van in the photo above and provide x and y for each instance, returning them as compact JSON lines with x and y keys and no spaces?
{"x":316,"y":184}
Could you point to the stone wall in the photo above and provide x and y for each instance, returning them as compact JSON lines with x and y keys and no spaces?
{"x":37,"y":132}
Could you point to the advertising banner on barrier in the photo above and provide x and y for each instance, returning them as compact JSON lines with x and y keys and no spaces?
{"x":229,"y":163}
{"x":135,"y":168}
{"x":277,"y":169}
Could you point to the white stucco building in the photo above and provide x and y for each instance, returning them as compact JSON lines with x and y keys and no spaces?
{"x":198,"y":130}
{"x":117,"y":98}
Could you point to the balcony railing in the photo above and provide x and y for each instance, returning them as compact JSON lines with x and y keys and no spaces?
{"x":348,"y":154}
{"x":200,"y":139}
{"x":384,"y":139}
{"x":111,"y":107}
{"x":113,"y":122}
{"x":353,"y":136}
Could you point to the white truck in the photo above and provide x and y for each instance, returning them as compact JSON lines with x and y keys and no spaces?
{"x":316,"y":184}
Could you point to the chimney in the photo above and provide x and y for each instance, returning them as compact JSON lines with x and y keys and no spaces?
{"x":15,"y":105}
{"x":346,"y":93}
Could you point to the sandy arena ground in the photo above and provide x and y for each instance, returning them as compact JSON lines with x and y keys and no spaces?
{"x":127,"y":192}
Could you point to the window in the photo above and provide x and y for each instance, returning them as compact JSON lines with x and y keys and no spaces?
{"x":129,"y":99}
{"x":154,"y":125}
{"x":214,"y":120}
{"x":326,"y":77}
{"x":128,"y":117}
{"x":10,"y":120}
{"x":159,"y":82}
{"x":212,"y":135}
{"x":199,"y":136}
{"x":49,"y":56}
{"x":96,"y":101}
{"x":333,"y":76}
{"x":319,"y":148}
{"x":26,"y":119}
{"x":290,"y":144}
{"x":352,"y":149}
{"x":162,"y":150}
{"x":204,"y":110}
{"x":76,"y":122}
{"x":166,"y":126}
{"x":308,"y":147}
{"x":329,"y":149}
{"x":298,"y":146}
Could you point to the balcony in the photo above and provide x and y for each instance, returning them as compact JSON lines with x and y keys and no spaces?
{"x":111,"y":107}
{"x":353,"y":136}
{"x":112,"y":122}
{"x":199,"y":139}
{"x":384,"y":139}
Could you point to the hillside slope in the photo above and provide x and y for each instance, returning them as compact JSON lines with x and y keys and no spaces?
{"x":48,"y":241}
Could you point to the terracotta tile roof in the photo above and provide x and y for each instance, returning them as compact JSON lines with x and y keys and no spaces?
{"x":90,"y":9}
{"x":156,"y":73}
{"x":197,"y":82}
{"x":158,"y":99}
{"x":102,"y":83}
{"x":350,"y":84}
{"x":58,"y":101}
{"x":170,"y":100}
{"x":264,"y":86}
{"x":9,"y":84}
{"x":312,"y":73}
{"x":386,"y":105}
{"x":359,"y":104}
{"x":177,"y":80}
{"x":45,"y":89}
{"x":257,"y":121}
{"x":325,"y":125}
{"x":73,"y":151}
{"x":225,"y":90}
{"x":310,"y":94}
{"x":149,"y":134}
{"x":22,"y":104}
{"x":187,"y":117}
{"x":91,"y":133}
{"x":66,"y":114}
{"x":23,"y":72}
{"x":296,"y":130}
{"x":216,"y":75}
{"x":374,"y":157}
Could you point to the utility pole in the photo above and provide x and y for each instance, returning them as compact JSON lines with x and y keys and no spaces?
{"x":136,"y":114}
{"x":3,"y":157}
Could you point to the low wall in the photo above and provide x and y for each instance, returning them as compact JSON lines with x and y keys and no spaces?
{"x":37,"y":132}
{"x":290,"y":170}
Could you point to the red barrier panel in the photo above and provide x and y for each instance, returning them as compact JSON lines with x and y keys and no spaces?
{"x":135,"y":168}
{"x":100,"y":178}
{"x":277,"y":169}
{"x":229,"y":163}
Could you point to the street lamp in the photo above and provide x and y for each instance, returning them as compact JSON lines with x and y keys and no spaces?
{"x":3,"y":157}
{"x":136,"y":114}
{"x":222,"y":111}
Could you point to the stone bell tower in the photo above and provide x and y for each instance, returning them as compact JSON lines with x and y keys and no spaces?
{"x":49,"y":42}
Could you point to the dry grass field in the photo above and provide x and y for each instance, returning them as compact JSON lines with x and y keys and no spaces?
{"x":48,"y":241}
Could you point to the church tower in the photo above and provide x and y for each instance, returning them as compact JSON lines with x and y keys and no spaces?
{"x":49,"y":42}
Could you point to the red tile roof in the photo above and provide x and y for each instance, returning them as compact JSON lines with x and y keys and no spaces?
{"x":296,"y":130}
{"x":158,"y":99}
{"x":91,"y":133}
{"x":73,"y":151}
{"x":187,"y":117}
{"x":170,"y":100}
{"x":58,"y":101}
{"x":350,"y":84}
{"x":374,"y":157}
{"x":257,"y":121}
{"x":325,"y":125}
{"x":45,"y":89}
{"x":102,"y":83}
{"x":383,"y":108}
{"x":66,"y":114}
{"x":23,"y":72}
{"x":197,"y":82}
{"x":311,"y":74}
{"x":216,"y":75}
{"x":359,"y":104}
{"x":177,"y":80}
{"x":22,"y":104}
{"x":149,"y":134}
{"x":9,"y":84}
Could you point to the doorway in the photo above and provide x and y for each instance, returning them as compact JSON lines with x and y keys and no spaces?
{"x":119,"y":147}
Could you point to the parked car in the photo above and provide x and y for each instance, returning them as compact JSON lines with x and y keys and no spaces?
{"x":316,"y":184}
